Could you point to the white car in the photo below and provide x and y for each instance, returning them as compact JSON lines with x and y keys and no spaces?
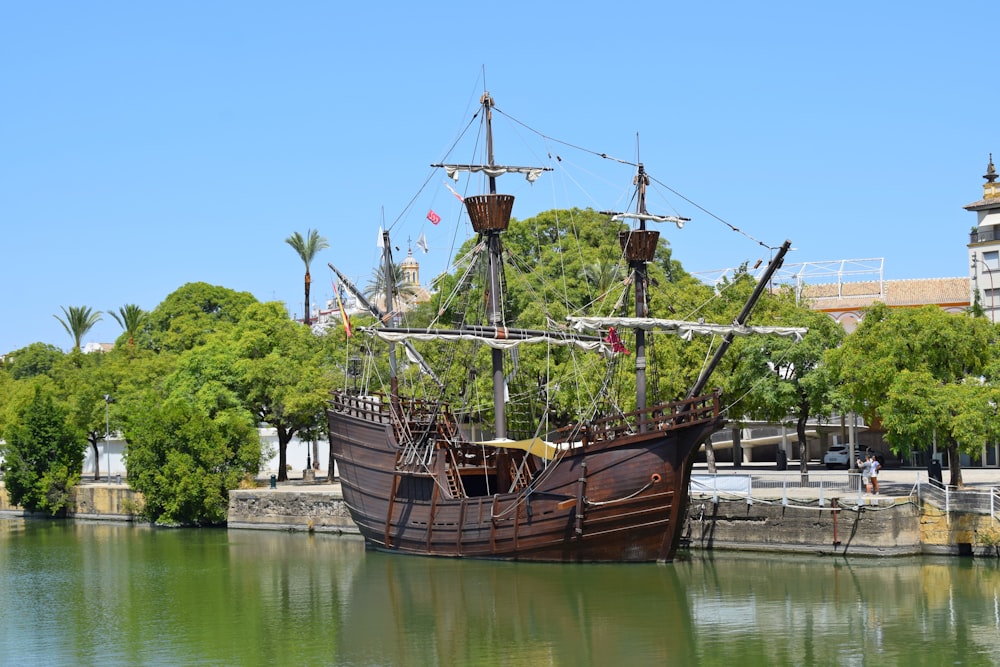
{"x":837,"y":455}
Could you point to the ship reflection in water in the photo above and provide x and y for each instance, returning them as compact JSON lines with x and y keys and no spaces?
{"x":726,"y":609}
{"x":78,"y":593}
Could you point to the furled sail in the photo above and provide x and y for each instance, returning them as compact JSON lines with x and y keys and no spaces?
{"x":531,"y":173}
{"x":648,"y":217}
{"x":500,"y":338}
{"x":682,"y":328}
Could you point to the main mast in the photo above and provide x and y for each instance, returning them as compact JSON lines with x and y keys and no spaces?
{"x":492,"y":230}
{"x":490,"y":216}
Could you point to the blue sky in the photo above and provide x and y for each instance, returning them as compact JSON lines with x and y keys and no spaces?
{"x":147,"y":145}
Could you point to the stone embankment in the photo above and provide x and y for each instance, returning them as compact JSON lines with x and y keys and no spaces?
{"x":896,"y":523}
{"x":315,"y":508}
{"x":96,"y":501}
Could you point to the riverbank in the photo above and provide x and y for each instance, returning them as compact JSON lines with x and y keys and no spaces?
{"x":778,"y":515}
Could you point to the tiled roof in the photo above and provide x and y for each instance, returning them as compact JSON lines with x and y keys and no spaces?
{"x":916,"y":292}
{"x":982,"y":204}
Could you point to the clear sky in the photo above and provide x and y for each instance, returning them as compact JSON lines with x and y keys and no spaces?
{"x":145,"y":145}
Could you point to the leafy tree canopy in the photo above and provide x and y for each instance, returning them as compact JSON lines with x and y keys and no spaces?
{"x":189,"y":314}
{"x":921,"y":368}
{"x":35,"y":359}
{"x":43,"y":455}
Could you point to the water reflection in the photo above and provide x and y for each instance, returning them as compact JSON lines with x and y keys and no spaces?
{"x":423,"y":611}
{"x":113,"y":594}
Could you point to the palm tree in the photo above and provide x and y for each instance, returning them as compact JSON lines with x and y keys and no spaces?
{"x":307,"y":249}
{"x":601,"y":275}
{"x":401,"y":287}
{"x":131,"y":318}
{"x":79,"y":320}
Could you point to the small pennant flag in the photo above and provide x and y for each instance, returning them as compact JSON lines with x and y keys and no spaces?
{"x":422,"y":242}
{"x":433,"y":217}
{"x":380,"y":243}
{"x":448,"y":185}
{"x":343,"y":315}
{"x":615,"y":342}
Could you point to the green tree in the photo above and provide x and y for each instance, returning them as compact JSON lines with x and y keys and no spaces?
{"x":35,"y":359}
{"x":375,"y":289}
{"x":266,"y":364}
{"x":132,"y":319}
{"x":83,"y":388}
{"x":919,"y":408}
{"x":42,"y":455}
{"x":79,"y":321}
{"x":777,"y":377}
{"x":307,"y":247}
{"x":953,"y":355}
{"x":192,"y":312}
{"x":184,"y":458}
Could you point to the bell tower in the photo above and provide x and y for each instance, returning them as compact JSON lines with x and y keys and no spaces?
{"x":984,"y":246}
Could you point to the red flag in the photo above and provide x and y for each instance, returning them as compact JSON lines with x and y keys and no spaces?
{"x":433,"y":217}
{"x":343,"y":315}
{"x":616,"y":343}
{"x":460,"y":197}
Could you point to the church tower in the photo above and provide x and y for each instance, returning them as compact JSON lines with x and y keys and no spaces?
{"x":984,"y":246}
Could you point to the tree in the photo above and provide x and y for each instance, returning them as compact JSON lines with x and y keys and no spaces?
{"x":266,"y":364}
{"x":42,"y":455}
{"x":184,"y":458}
{"x":132,"y":319}
{"x":192,"y":312}
{"x":307,"y":248}
{"x":777,"y":377}
{"x":79,"y":320}
{"x":83,"y":388}
{"x":920,"y":409}
{"x":35,"y":359}
{"x":375,"y":289}
{"x":950,"y":355}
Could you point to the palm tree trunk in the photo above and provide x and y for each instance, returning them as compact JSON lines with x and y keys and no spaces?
{"x":308,"y":282}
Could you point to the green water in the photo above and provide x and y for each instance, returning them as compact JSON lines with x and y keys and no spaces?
{"x":105,"y":594}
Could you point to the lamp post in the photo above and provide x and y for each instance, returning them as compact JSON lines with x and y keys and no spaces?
{"x":107,"y":431}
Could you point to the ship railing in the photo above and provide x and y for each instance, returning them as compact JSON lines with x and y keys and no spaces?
{"x":370,"y":407}
{"x":663,"y":417}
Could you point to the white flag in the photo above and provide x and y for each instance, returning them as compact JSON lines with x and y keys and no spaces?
{"x":422,"y":242}
{"x":379,"y":242}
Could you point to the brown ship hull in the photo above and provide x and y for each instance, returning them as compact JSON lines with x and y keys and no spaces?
{"x":610,"y":498}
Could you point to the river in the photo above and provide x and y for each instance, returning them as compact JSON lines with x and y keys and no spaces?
{"x":75,"y":593}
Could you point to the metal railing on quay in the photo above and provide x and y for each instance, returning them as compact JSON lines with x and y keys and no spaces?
{"x":820,"y":488}
{"x":787,"y":486}
{"x":953,"y":499}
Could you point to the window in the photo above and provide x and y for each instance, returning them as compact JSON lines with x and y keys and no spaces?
{"x":991,"y":260}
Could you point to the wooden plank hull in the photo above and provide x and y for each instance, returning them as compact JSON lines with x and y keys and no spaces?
{"x":617,"y":500}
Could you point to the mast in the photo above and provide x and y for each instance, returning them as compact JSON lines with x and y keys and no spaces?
{"x":765,"y":279}
{"x":639,"y":248}
{"x":494,"y":315}
{"x":641,"y":284}
{"x":490,"y":216}
{"x":389,"y":286}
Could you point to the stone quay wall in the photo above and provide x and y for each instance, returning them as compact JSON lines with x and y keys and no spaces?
{"x":96,"y":502}
{"x":878,"y":527}
{"x":319,"y":509}
{"x":890,"y":527}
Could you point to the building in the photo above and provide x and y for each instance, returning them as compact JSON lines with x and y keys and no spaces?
{"x":984,"y":246}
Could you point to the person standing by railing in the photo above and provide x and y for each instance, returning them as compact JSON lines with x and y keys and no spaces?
{"x":873,"y":472}
{"x":866,"y":472}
